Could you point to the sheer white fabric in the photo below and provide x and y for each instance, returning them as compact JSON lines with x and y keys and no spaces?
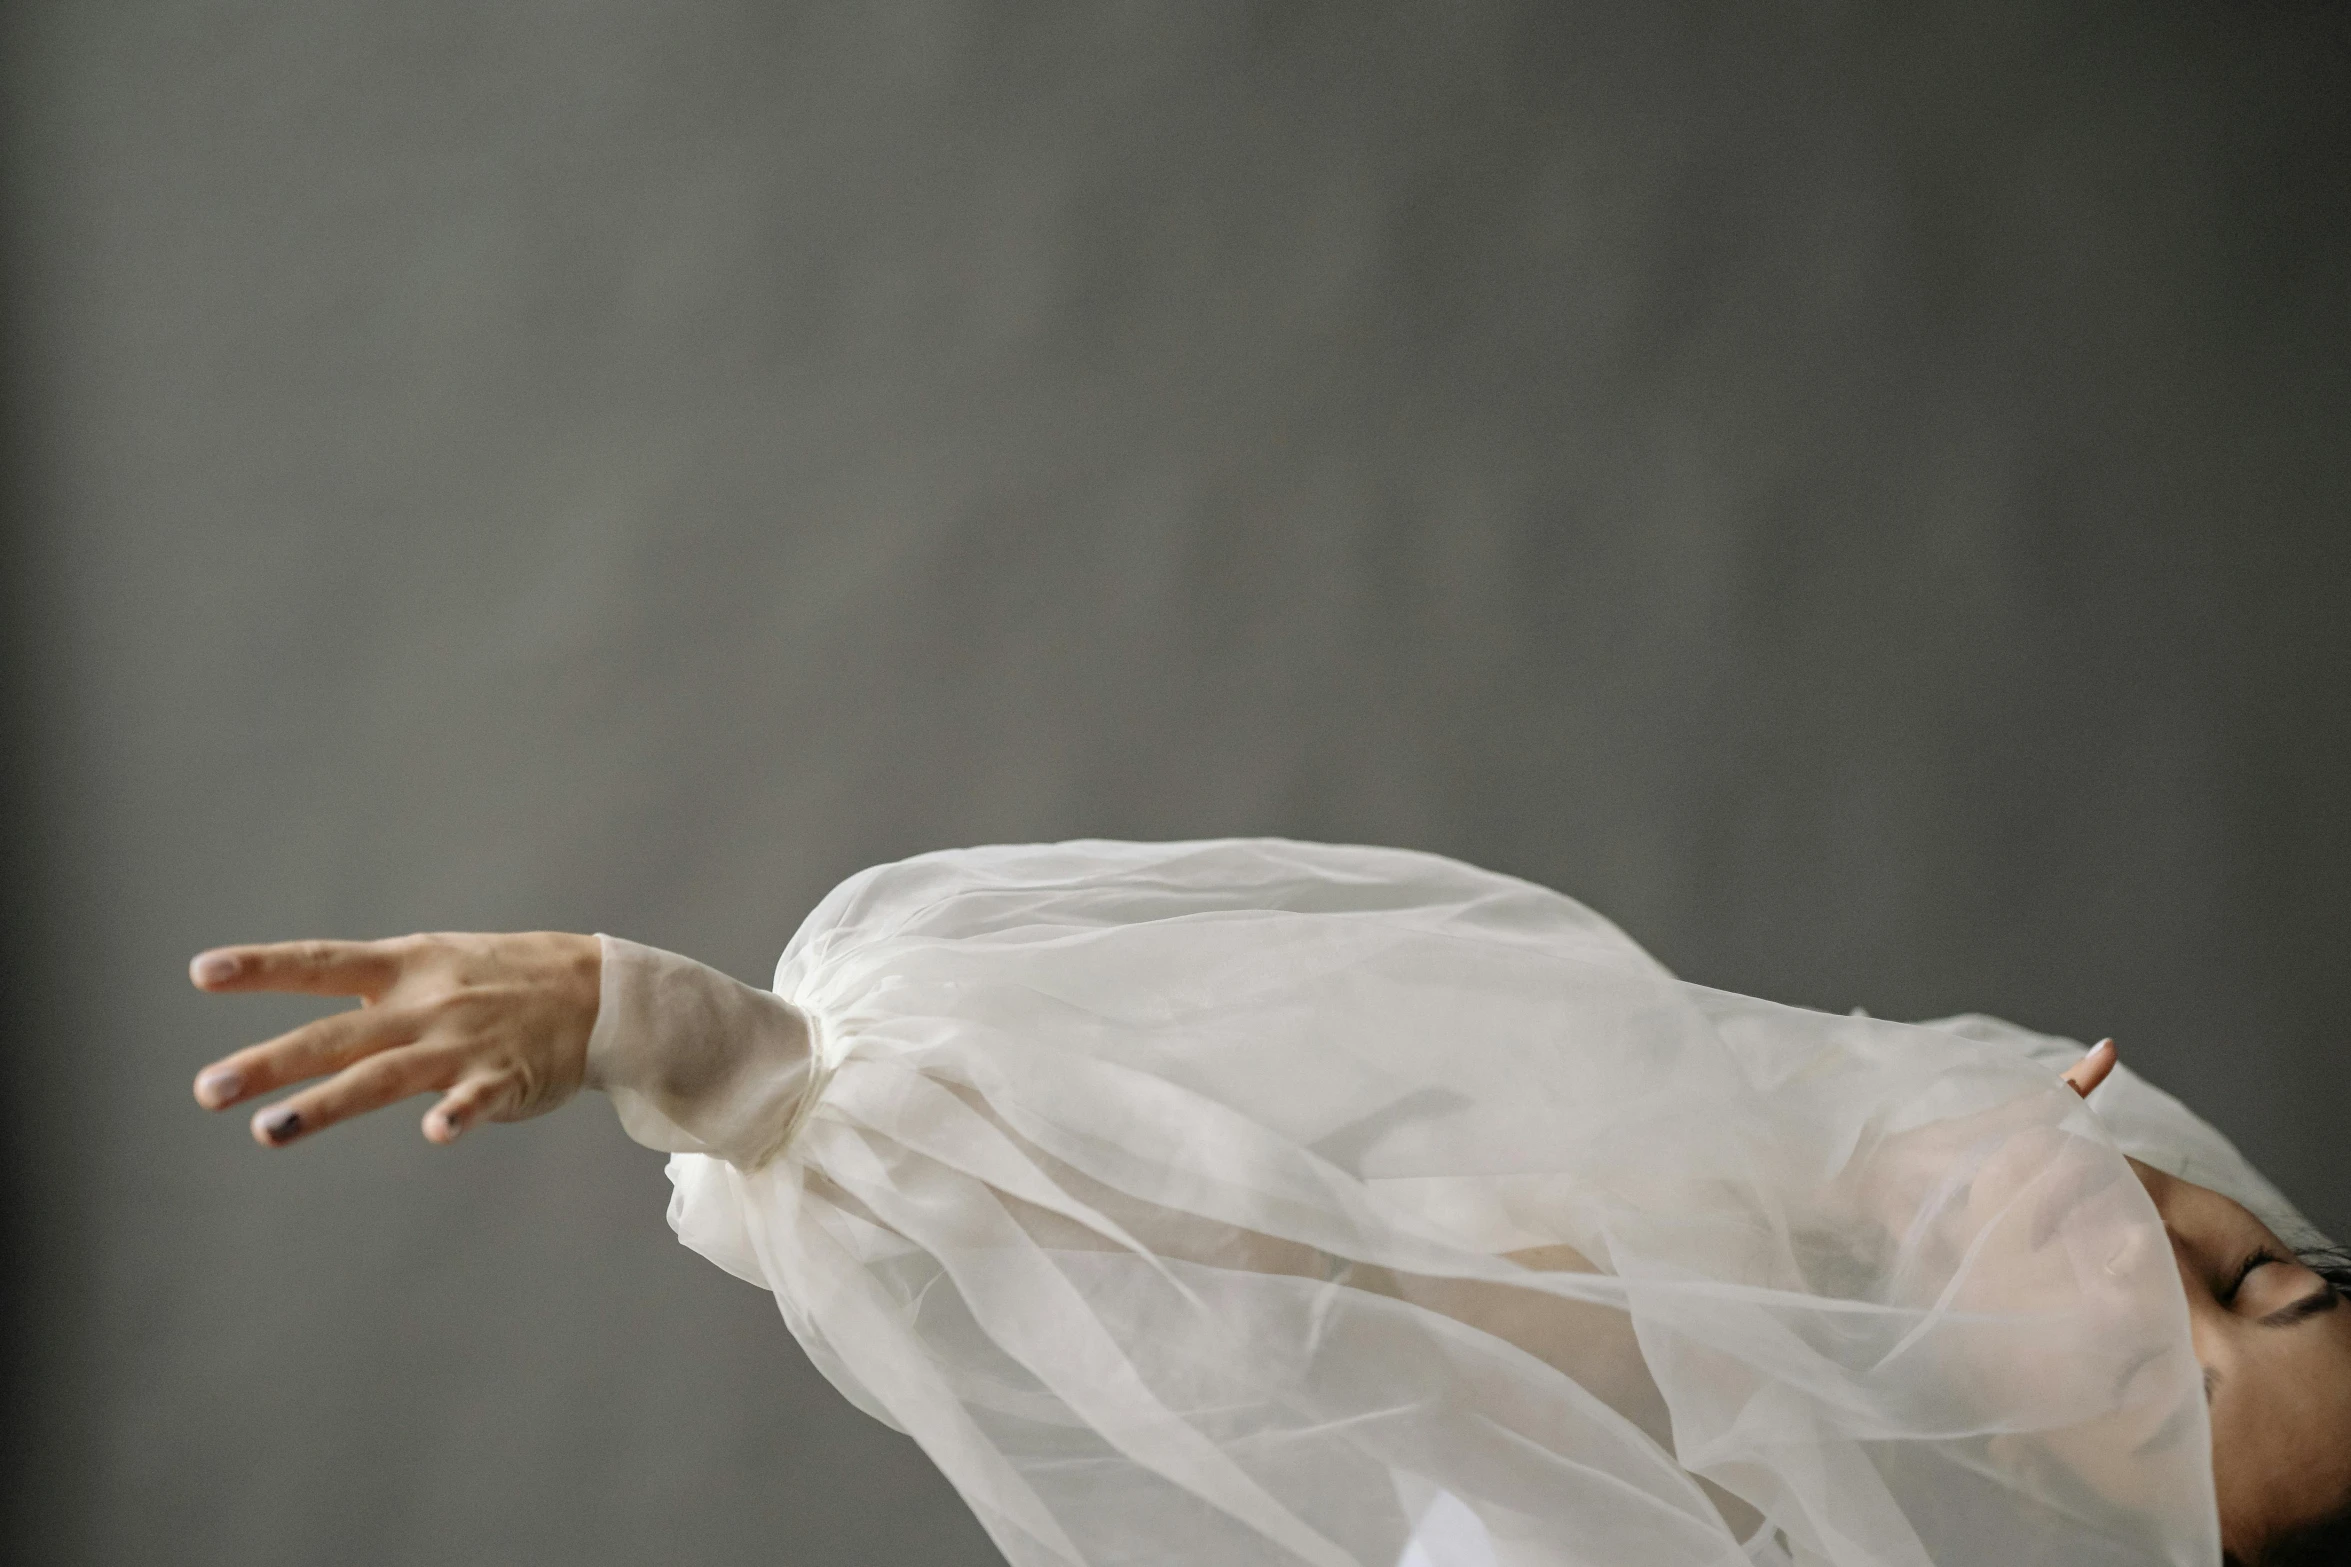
{"x":1247,"y":1202}
{"x":696,"y":1062}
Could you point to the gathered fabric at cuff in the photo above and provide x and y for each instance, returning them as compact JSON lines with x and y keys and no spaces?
{"x":696,"y":1061}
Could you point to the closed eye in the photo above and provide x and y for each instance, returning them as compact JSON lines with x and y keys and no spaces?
{"x":2261,"y":1258}
{"x":2322,"y":1299}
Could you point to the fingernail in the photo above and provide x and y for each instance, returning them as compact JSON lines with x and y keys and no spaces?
{"x":218,"y":1087}
{"x":280,"y":1124}
{"x":451,"y":1126}
{"x":212,"y":968}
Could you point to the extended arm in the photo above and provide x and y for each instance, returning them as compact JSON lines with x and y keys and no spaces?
{"x":503,"y":1027}
{"x":507,"y":1026}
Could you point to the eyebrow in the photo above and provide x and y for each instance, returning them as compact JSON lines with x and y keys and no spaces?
{"x":2323,"y":1298}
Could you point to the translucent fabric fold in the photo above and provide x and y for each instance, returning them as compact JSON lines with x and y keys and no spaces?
{"x":1251,"y":1202}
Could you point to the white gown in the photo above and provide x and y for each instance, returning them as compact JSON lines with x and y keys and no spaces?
{"x":1250,"y":1202}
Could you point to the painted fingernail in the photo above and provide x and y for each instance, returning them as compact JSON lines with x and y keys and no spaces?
{"x":213,"y":968}
{"x":216,"y":1088}
{"x":279,"y":1125}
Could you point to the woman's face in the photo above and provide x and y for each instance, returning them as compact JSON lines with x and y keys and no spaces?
{"x":2275,"y":1342}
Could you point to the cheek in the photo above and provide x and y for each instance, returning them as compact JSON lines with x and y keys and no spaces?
{"x":2281,"y":1425}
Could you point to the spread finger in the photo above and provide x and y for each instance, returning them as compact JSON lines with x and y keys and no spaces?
{"x":320,"y":968}
{"x":369,"y":1084}
{"x":474,"y":1099}
{"x":326,"y":1045}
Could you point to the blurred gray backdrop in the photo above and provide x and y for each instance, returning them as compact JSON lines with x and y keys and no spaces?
{"x":1855,"y":493}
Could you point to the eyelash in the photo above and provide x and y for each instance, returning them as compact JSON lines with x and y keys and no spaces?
{"x":2260,"y":1258}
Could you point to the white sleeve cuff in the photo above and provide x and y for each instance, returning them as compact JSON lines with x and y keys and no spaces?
{"x":693,"y":1060}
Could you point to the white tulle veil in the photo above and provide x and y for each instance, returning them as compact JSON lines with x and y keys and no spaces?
{"x":1254,"y":1202}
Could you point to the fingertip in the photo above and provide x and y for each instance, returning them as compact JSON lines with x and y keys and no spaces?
{"x":210,"y":970}
{"x":218,"y":1087}
{"x":2095,"y":1066}
{"x":276,"y":1126}
{"x":442,"y":1126}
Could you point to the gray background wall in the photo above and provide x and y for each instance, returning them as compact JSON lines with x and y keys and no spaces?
{"x":1856,"y":493}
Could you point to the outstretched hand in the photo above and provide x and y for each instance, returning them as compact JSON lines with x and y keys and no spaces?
{"x":497,"y":1025}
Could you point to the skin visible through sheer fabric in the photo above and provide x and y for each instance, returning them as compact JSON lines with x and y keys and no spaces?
{"x":1251,"y":1201}
{"x":1197,"y":1202}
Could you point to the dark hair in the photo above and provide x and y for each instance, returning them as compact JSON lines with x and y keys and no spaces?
{"x":2326,"y":1543}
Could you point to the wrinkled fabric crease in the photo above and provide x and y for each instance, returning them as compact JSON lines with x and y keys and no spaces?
{"x":1253,"y":1202}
